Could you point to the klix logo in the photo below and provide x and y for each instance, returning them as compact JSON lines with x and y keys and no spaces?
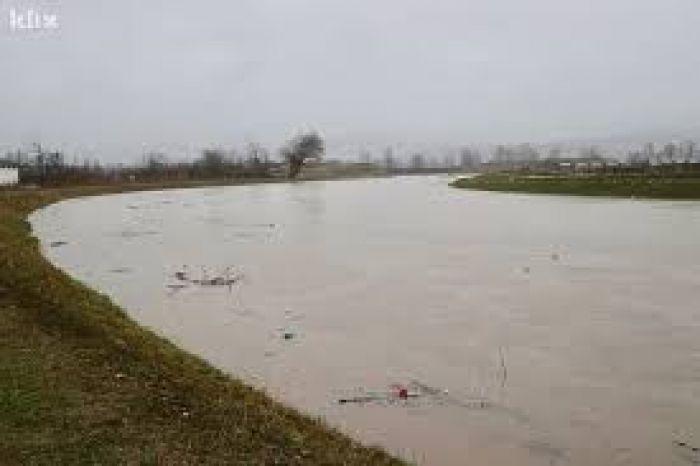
{"x":33,"y":18}
{"x":29,"y":16}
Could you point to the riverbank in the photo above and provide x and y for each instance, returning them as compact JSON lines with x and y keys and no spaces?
{"x":652,"y":187}
{"x":81,"y":383}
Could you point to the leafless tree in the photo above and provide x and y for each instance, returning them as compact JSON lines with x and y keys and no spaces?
{"x":670,"y":152}
{"x":389,"y":160}
{"x":305,"y":145}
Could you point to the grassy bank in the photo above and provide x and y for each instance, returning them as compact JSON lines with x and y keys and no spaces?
{"x":666,"y":187}
{"x":80,"y":383}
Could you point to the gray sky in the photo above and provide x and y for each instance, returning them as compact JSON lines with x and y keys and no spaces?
{"x":121,"y":75}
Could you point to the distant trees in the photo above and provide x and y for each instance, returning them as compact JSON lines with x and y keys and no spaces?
{"x":155,"y":162}
{"x":513,"y":155}
{"x":212,"y":162}
{"x":649,"y":151}
{"x":49,"y":167}
{"x":257,"y":159}
{"x":417,"y":162}
{"x":389,"y":159}
{"x":689,"y":151}
{"x":307,"y":144}
{"x":669,"y":152}
{"x":469,"y":158}
{"x":683,"y":152}
{"x":591,"y":153}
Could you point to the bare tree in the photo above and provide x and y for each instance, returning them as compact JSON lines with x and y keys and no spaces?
{"x":689,"y":151}
{"x":389,"y":160}
{"x":155,"y":161}
{"x":257,"y":159}
{"x":669,"y":152}
{"x":212,"y":162}
{"x":417,"y":162}
{"x":469,"y":158}
{"x":554,"y":153}
{"x":303,"y":146}
{"x":649,"y":151}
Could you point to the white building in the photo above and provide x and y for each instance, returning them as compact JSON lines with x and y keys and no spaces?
{"x":9,"y":176}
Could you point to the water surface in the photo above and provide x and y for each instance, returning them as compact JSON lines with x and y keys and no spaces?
{"x":576,"y":319}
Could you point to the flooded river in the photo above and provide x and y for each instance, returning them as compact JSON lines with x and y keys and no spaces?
{"x":460,"y":327}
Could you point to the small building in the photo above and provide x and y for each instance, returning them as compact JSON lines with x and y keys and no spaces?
{"x":9,"y":176}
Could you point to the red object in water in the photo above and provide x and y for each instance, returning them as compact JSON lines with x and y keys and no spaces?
{"x":403,"y":393}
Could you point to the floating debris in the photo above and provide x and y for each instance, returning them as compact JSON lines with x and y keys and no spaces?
{"x":288,"y":335}
{"x":129,"y":234}
{"x":216,"y":281}
{"x":121,"y":270}
{"x":442,"y":395}
{"x":176,"y":286}
{"x":362,"y":399}
{"x":526,"y":269}
{"x":555,"y":256}
{"x":398,"y":393}
{"x":689,"y":447}
{"x":548,"y":450}
{"x":57,"y":244}
{"x":688,"y":452}
{"x":227,"y":278}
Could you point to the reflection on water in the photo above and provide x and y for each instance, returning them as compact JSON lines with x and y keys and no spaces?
{"x":459,"y":327}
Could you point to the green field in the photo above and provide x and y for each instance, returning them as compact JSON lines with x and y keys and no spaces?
{"x":80,"y":383}
{"x":642,"y":186}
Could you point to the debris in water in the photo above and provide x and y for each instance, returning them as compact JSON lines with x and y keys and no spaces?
{"x":526,"y":269}
{"x":401,"y":392}
{"x":288,"y":335}
{"x":689,"y":452}
{"x":414,"y":390}
{"x":227,"y":278}
{"x":216,"y":281}
{"x":504,"y":369}
{"x":121,"y":270}
{"x":56,"y":244}
{"x":129,"y":234}
{"x":546,"y":449}
{"x":361,"y":399}
{"x":176,"y":286}
{"x":555,"y":256}
{"x":442,"y":395}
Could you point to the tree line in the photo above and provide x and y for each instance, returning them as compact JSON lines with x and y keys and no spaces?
{"x":51,"y":168}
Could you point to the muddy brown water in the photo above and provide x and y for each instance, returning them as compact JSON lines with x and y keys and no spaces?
{"x":576,"y":319}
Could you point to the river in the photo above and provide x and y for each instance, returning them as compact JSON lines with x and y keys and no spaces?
{"x":461,"y":327}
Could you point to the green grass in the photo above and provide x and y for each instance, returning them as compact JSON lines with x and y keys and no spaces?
{"x":654,"y":187}
{"x":80,"y":383}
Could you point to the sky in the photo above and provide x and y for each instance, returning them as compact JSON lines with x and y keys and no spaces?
{"x":114,"y":79}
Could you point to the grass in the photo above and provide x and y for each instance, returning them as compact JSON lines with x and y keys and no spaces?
{"x":653,"y":187}
{"x":81,"y":383}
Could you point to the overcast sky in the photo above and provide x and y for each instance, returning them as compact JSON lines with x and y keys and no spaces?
{"x":118,"y":76}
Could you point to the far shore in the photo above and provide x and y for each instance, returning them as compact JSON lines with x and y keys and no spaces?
{"x":626,"y":186}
